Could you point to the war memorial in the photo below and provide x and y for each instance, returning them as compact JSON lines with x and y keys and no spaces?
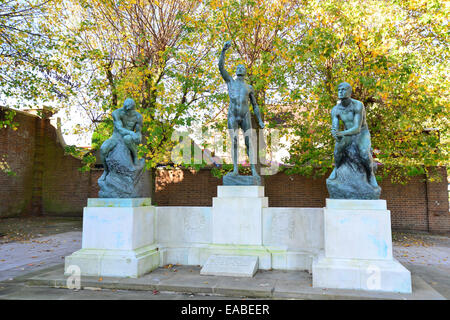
{"x":345,"y":245}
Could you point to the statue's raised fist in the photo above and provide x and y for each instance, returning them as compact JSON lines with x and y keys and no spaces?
{"x":227,"y":45}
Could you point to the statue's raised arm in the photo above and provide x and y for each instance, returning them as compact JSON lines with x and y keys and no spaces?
{"x":223,"y":72}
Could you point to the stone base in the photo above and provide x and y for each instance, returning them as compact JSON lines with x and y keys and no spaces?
{"x":350,"y":176}
{"x":290,"y":259}
{"x":119,"y":202}
{"x":231,"y":180}
{"x":114,"y":263}
{"x":124,"y":179}
{"x":358,"y":274}
{"x":358,"y":249}
{"x":352,"y":189}
{"x":118,"y":239}
{"x":233,"y":266}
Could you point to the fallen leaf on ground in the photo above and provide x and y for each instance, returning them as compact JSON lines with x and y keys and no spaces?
{"x":92,"y":288}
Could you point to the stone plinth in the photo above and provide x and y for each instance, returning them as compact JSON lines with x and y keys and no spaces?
{"x":358,"y":249}
{"x":238,"y":180}
{"x":237,"y":216}
{"x":118,"y":239}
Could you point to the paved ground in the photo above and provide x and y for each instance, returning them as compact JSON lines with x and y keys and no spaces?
{"x":27,"y":228}
{"x":19,"y":258}
{"x":427,"y":256}
{"x":33,"y":245}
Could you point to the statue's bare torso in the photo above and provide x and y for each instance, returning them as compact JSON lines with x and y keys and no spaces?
{"x":129,"y":120}
{"x":239,"y":94}
{"x":347,"y":114}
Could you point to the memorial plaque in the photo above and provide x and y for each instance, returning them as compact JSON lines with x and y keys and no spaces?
{"x":234,"y":266}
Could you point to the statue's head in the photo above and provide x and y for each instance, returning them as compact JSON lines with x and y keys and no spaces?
{"x":129,"y":104}
{"x":344,"y":90}
{"x":240,"y":70}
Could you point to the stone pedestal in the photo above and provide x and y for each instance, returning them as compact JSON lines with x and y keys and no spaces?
{"x":118,"y":239}
{"x":237,"y":216}
{"x":358,"y":249}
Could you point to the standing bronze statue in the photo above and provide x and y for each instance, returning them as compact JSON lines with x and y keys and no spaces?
{"x":239,"y":116}
{"x":353,"y":175}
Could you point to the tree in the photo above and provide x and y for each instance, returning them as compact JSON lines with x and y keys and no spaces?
{"x":142,"y":49}
{"x":29,"y":74}
{"x":395,"y":55}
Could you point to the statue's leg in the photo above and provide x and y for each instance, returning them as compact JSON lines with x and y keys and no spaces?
{"x":105,"y":149}
{"x":128,"y":139}
{"x":337,"y":160}
{"x":365,"y":151}
{"x":251,"y":149}
{"x":234,"y":134}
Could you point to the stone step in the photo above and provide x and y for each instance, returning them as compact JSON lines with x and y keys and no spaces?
{"x":265,"y":284}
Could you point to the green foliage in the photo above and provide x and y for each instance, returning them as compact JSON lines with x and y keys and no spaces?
{"x":7,"y":119}
{"x":30,"y":73}
{"x":219,"y":172}
{"x":4,"y":167}
{"x":395,"y":60}
{"x":101,"y":133}
{"x":86,"y":156}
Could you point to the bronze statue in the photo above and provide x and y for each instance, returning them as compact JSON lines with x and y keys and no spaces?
{"x":122,"y":168}
{"x":239,"y":112}
{"x":352,"y":152}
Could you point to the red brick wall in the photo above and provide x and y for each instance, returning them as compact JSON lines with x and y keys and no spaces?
{"x":295,"y":191}
{"x":18,"y":147}
{"x":65,"y":188}
{"x":438,"y":206}
{"x":185,"y":188}
{"x":407,"y":203}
